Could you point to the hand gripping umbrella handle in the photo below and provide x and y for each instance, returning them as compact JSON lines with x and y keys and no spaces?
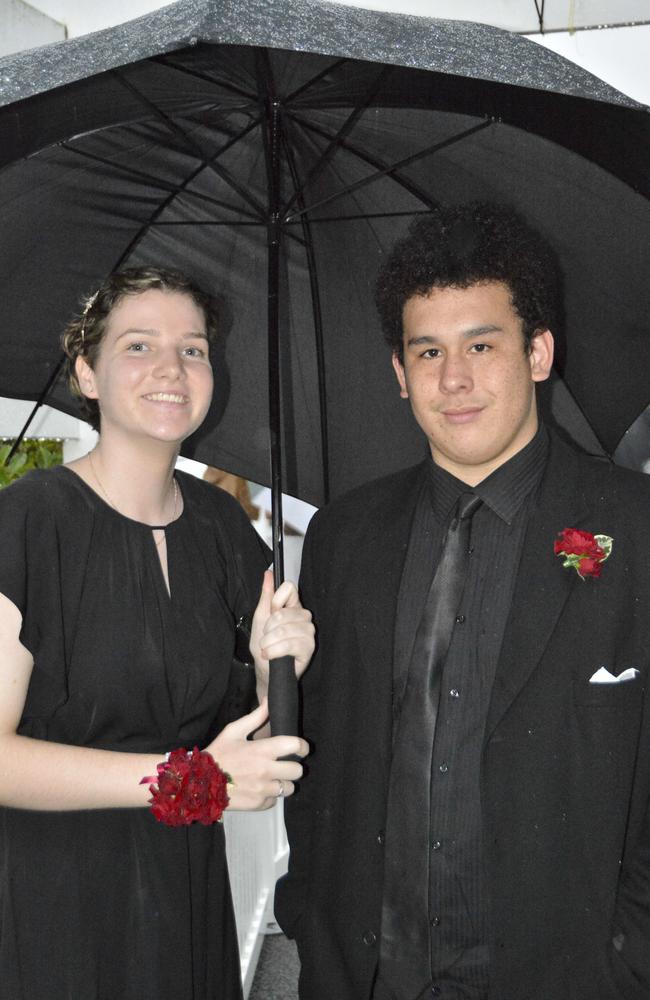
{"x":283,"y":698}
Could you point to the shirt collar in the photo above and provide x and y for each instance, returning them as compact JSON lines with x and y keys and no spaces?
{"x":504,"y":491}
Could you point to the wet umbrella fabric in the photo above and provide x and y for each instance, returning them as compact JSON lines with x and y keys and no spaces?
{"x":275,"y":152}
{"x":168,"y":159}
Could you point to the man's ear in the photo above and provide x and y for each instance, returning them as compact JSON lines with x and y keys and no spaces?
{"x":398,"y":368}
{"x":541,"y":355}
{"x":85,"y":377}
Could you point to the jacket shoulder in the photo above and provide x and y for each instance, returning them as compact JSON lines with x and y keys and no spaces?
{"x":370,"y":500}
{"x":605,"y":473}
{"x":602,"y":483}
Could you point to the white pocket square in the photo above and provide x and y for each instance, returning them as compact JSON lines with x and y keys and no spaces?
{"x":603,"y":676}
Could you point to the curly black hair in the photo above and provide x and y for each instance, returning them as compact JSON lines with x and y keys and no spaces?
{"x":462,"y":245}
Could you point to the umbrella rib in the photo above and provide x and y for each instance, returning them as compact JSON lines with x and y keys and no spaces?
{"x":338,"y":138}
{"x":144,"y":228}
{"x":373,"y":161}
{"x":315,"y":79}
{"x":163,"y":185}
{"x":207,"y":222}
{"x":360,"y":216}
{"x":318,"y":320}
{"x":364,"y":182}
{"x":177,"y":130}
{"x":166,"y":60}
{"x":228,"y":222}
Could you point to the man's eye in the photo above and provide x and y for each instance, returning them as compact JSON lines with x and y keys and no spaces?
{"x":431,"y":352}
{"x":480,"y":348}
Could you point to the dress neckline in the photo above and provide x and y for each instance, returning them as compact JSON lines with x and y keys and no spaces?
{"x":87,"y":488}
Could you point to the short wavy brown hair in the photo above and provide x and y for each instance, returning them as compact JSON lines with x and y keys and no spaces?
{"x":83,"y":335}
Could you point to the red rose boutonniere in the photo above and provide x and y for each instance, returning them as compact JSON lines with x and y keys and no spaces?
{"x":583,"y":551}
{"x":189,"y":787}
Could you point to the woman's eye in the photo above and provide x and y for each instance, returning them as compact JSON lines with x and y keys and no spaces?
{"x":137,"y":347}
{"x":194,"y":352}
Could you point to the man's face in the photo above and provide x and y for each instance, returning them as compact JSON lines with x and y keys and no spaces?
{"x":468,"y":377}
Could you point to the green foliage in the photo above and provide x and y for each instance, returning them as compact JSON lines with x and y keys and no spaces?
{"x":32,"y":454}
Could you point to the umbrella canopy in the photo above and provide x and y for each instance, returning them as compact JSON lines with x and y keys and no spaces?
{"x":275,"y":151}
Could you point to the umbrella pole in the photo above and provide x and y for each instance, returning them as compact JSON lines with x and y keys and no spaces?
{"x":273,"y":318}
{"x":283,"y":687}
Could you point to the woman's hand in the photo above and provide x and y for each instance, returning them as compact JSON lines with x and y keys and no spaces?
{"x":258,"y":777}
{"x":281,"y":627}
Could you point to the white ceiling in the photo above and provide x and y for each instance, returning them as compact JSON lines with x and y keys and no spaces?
{"x":522,"y":15}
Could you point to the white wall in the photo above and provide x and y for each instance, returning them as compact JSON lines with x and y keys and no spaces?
{"x":47,"y":423}
{"x":22,"y":27}
{"x":520,"y":15}
{"x":84,"y":16}
{"x":620,"y":56}
{"x":78,"y":436}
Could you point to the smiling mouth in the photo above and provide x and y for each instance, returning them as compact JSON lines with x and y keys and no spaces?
{"x":462,"y":416}
{"x":166,"y":397}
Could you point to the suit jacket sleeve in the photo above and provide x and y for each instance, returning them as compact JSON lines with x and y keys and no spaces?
{"x":631,"y":939}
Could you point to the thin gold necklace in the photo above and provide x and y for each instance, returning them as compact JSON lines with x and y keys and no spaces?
{"x":154,"y":527}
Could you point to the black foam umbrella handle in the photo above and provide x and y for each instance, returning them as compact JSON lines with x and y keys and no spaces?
{"x":283,"y":697}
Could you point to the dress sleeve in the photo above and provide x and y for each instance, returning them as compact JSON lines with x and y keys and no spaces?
{"x":246,"y":557}
{"x":21,"y":536}
{"x":248,"y":554}
{"x":30,"y":577}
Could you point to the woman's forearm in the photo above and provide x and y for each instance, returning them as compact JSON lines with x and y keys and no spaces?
{"x":36,"y":774}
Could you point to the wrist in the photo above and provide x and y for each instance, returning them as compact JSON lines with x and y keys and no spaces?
{"x":262,"y":682}
{"x":189,"y":787}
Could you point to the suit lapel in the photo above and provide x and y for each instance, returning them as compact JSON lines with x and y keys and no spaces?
{"x":542,"y":587}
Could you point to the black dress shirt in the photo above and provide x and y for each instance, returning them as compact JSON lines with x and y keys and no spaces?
{"x":459,"y":910}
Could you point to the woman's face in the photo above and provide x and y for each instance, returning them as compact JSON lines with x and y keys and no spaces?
{"x":152,"y":377}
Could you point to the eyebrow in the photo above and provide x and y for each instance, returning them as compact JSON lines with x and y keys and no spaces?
{"x":134,"y":330}
{"x":475,"y":331}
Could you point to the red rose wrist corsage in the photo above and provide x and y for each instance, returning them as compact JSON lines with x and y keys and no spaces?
{"x":188,"y":788}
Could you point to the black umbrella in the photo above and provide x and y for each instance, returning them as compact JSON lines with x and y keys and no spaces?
{"x":275,"y":151}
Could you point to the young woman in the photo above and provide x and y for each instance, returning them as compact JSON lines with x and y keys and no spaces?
{"x":121,"y":584}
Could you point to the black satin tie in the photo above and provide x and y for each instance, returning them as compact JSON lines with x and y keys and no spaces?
{"x":405,"y":942}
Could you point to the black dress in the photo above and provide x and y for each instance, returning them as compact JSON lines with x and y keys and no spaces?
{"x":109,"y":904}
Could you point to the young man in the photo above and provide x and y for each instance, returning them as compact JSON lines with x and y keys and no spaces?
{"x":475,"y":820}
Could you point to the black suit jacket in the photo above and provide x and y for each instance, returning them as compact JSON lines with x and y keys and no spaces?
{"x":565,"y":775}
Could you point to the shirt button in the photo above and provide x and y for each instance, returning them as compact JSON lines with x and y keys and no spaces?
{"x":436,"y":991}
{"x":444,"y":767}
{"x":370,"y":938}
{"x":380,"y":837}
{"x":436,"y":845}
{"x":454,"y":693}
{"x":435,"y":921}
{"x":460,"y":619}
